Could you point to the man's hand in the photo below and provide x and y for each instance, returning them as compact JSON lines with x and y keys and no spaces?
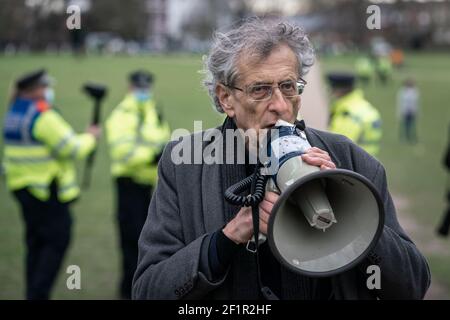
{"x":319,"y":158}
{"x":240,"y":229}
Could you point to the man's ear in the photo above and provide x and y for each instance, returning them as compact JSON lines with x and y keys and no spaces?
{"x":225,"y":98}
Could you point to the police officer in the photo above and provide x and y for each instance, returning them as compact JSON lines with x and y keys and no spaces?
{"x":384,"y":69}
{"x":364,"y":70}
{"x":352,"y":115}
{"x":136,"y":136}
{"x":40,"y":150}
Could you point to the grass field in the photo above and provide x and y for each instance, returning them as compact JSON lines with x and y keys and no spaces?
{"x":414,"y":172}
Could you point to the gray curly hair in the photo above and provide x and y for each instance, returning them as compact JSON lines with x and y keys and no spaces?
{"x":257,"y":37}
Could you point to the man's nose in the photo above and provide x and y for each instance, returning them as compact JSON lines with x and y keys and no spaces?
{"x":278,"y":102}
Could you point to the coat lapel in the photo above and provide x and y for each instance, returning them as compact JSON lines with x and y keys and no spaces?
{"x":212,"y":197}
{"x":212,"y":194}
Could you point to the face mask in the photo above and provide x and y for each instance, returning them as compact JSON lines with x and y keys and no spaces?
{"x":49,"y":95}
{"x":142,"y":95}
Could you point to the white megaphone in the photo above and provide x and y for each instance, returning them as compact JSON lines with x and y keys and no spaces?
{"x":325,"y":221}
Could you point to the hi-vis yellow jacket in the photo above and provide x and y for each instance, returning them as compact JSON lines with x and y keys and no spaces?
{"x":384,"y":66}
{"x":354,"y":117}
{"x":136,"y":137}
{"x":364,"y":67}
{"x":40,"y":147}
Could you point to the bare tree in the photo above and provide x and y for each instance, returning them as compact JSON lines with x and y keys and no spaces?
{"x":126,"y":19}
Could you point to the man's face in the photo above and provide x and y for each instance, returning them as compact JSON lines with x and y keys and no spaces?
{"x":281,"y":65}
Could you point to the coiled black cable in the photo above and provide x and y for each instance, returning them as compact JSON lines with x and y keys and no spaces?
{"x":232,"y":193}
{"x":257,"y":184}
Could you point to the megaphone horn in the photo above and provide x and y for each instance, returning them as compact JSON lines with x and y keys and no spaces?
{"x":324,"y":222}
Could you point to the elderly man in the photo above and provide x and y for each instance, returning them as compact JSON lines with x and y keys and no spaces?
{"x":193,"y":242}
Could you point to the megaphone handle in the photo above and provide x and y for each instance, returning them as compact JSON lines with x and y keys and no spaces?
{"x":87,"y":170}
{"x":96,"y":115}
{"x":90,"y":159}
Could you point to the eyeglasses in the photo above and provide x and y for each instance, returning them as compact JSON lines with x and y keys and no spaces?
{"x":263,"y":92}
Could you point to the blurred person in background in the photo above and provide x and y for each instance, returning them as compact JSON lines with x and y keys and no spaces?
{"x":397,"y":58}
{"x":352,"y":115}
{"x":444,"y":227}
{"x":39,"y":159}
{"x":408,"y":110}
{"x":136,"y":136}
{"x":383,"y":67}
{"x":364,"y":70}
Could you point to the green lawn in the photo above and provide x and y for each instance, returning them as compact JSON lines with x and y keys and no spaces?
{"x":414,"y":172}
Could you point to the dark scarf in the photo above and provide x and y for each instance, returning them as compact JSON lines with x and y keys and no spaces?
{"x":242,"y":280}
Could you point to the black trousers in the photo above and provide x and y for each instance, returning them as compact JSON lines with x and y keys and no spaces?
{"x":132,"y":205}
{"x":47,"y":236}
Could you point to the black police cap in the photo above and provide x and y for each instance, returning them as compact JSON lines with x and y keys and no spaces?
{"x":141,"y":78}
{"x":32,"y":79}
{"x":341,"y":79}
